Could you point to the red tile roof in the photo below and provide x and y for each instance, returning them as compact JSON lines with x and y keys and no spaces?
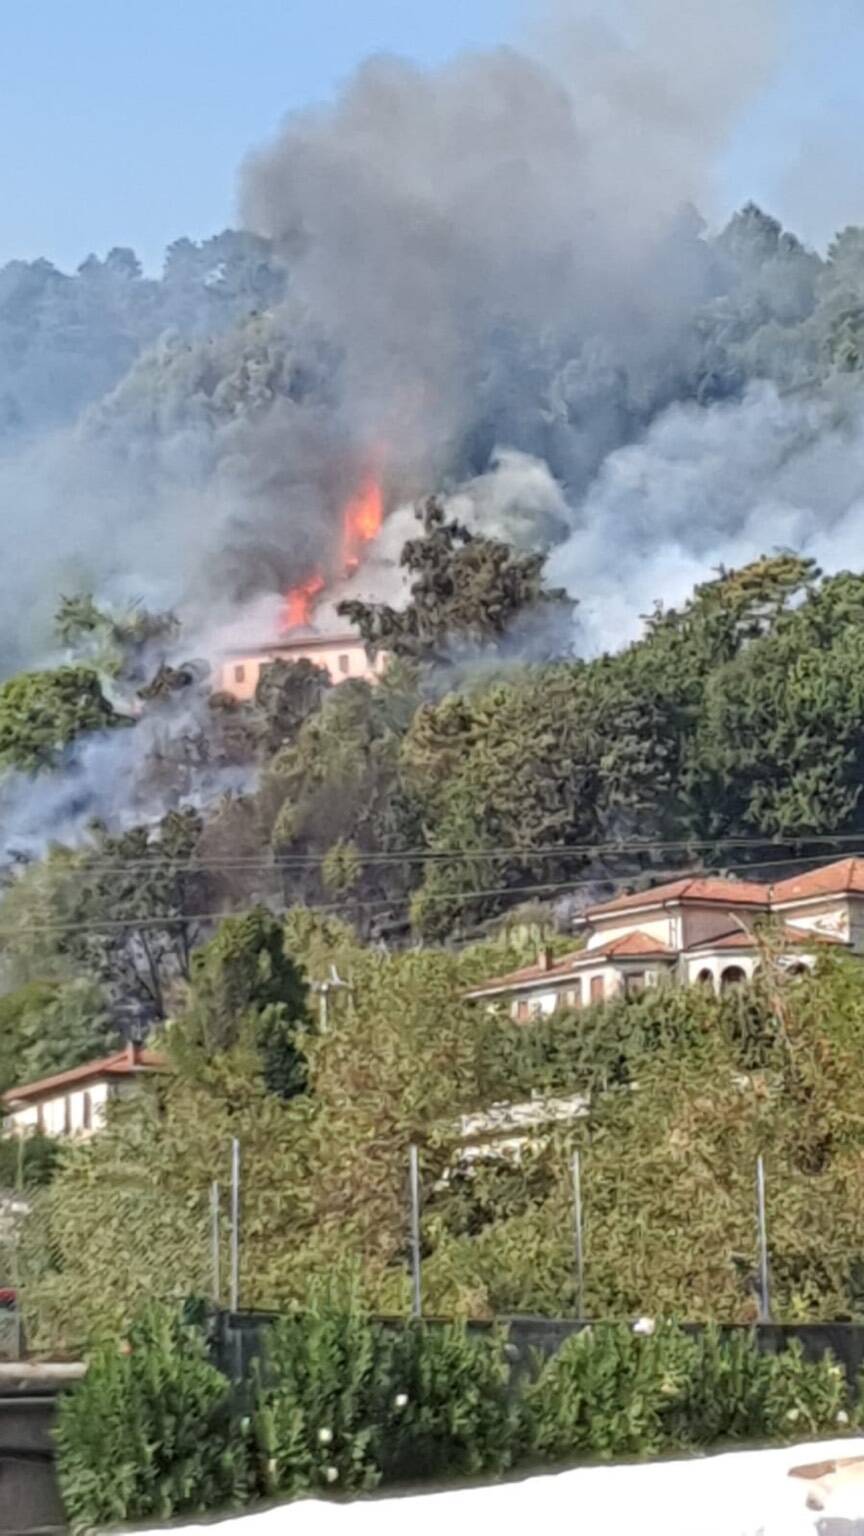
{"x":637,"y":944}
{"x":529,"y":973}
{"x":629,"y":946}
{"x":741,"y":893}
{"x":830,"y":880}
{"x":122,"y":1064}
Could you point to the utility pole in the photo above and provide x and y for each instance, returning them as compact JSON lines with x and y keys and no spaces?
{"x":235,"y":1225}
{"x":764,"y":1286}
{"x":334,"y":983}
{"x":414,"y":1184}
{"x":577,"y":1236}
{"x":214,"y":1241}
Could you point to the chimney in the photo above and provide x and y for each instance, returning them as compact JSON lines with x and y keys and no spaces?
{"x":133,"y":1053}
{"x":544,"y":957}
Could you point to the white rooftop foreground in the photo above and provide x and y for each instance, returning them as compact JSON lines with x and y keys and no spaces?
{"x":741,"y":1493}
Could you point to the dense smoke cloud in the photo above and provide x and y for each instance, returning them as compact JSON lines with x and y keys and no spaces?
{"x":492,"y":258}
{"x":493,"y":242}
{"x":717,"y":486}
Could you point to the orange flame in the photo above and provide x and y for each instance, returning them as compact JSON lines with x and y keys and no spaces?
{"x":300,"y":600}
{"x":364,"y":514}
{"x":362,"y":519}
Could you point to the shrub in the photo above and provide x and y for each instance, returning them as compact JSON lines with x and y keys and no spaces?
{"x":447,"y":1409}
{"x":608,"y":1392}
{"x":148,"y":1432}
{"x":726,"y":1393}
{"x":316,"y":1402}
{"x":803,"y":1397}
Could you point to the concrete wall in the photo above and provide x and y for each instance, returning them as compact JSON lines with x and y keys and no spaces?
{"x":704,"y":923}
{"x":29,"y":1496}
{"x":576,"y":991}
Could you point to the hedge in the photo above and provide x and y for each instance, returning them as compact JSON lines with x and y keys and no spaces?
{"x":339,"y":1403}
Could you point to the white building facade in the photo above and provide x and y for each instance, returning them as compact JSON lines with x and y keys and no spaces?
{"x":341,"y":656}
{"x":74,"y":1103}
{"x":690,"y":931}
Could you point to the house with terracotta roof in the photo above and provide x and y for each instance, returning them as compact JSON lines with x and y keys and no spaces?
{"x":73,"y":1103}
{"x":691,"y":930}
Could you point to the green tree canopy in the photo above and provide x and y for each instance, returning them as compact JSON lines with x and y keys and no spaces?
{"x":467,"y":592}
{"x":42,"y":712}
{"x":246,"y":992}
{"x":288,"y":692}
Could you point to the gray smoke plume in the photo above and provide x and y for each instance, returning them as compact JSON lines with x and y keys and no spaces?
{"x":721,"y":485}
{"x":449,"y":267}
{"x":487,"y":279}
{"x":502,"y":247}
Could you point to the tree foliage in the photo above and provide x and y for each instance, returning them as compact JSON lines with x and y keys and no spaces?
{"x":467,"y":592}
{"x":246,"y":991}
{"x":42,"y":712}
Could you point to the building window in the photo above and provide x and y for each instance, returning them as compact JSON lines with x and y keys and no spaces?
{"x":598,"y":989}
{"x":634,"y":983}
{"x":733,"y":976}
{"x":40,"y":1119}
{"x":344,"y":665}
{"x":240,"y":674}
{"x":67,"y":1115}
{"x":87,"y":1111}
{"x":573,"y":996}
{"x":535,"y":1008}
{"x":522,"y":1011}
{"x":705,"y":978}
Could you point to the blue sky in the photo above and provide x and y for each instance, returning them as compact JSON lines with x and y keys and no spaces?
{"x":124,"y":123}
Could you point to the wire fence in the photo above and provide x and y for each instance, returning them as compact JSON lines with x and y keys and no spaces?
{"x":217,"y":1274}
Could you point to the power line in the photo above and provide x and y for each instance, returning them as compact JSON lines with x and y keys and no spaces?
{"x":300,"y":861}
{"x":86,"y":925}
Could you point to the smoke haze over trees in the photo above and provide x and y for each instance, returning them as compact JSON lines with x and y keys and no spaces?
{"x":487,"y":281}
{"x":492,"y":278}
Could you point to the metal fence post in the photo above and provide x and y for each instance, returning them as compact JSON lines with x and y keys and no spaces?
{"x":764,"y":1284}
{"x":235,"y":1225}
{"x":577,"y":1236}
{"x":214,"y":1242}
{"x":414,"y":1180}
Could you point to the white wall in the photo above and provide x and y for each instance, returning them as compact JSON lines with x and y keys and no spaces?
{"x":240,"y":675}
{"x":830,"y":917}
{"x":64,"y":1113}
{"x":717,"y":963}
{"x":661,"y":925}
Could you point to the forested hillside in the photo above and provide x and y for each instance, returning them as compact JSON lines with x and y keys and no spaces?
{"x":466,"y":782}
{"x":465,"y":785}
{"x":178,"y":865}
{"x":685,"y":1090}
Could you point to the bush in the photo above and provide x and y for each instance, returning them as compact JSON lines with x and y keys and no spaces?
{"x":726,"y":1393}
{"x":610,"y":1392}
{"x":342,"y":1402}
{"x":738,"y":1393}
{"x":803,"y":1397}
{"x":30,"y":1160}
{"x":447,"y":1410}
{"x":317,"y":1396}
{"x":148,"y":1432}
